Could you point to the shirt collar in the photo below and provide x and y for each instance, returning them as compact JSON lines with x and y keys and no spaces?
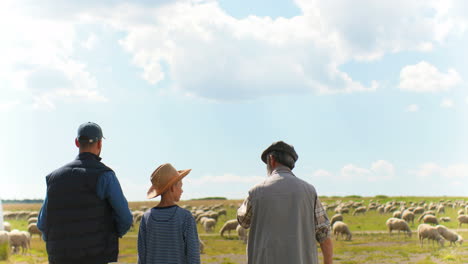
{"x":88,"y":155}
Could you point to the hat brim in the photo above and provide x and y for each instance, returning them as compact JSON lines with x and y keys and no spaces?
{"x":153,"y":192}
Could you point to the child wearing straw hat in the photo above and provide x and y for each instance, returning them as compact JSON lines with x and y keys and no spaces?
{"x":168,"y":233}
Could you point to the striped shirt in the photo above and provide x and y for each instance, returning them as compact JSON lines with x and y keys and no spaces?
{"x":168,"y":235}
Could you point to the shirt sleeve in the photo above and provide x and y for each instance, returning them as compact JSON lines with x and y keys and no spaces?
{"x":142,"y":242}
{"x":42,"y":219}
{"x":192,"y":245}
{"x":108,"y":187}
{"x":322,"y":224}
{"x":244,"y":213}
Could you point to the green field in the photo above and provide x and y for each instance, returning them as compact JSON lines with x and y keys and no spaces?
{"x":371,"y":242}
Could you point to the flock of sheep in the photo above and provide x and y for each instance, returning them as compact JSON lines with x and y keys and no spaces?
{"x":19,"y":239}
{"x":402,"y":215}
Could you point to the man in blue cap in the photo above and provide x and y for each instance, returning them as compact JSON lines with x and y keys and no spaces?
{"x":85,"y":211}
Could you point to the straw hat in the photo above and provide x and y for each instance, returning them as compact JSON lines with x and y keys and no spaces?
{"x":163,"y":178}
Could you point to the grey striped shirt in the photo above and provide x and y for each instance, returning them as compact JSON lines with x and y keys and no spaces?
{"x":168,"y":235}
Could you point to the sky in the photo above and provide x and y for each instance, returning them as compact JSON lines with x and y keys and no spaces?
{"x":372,"y":94}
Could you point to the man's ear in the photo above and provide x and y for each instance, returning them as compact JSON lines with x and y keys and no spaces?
{"x":77,"y":143}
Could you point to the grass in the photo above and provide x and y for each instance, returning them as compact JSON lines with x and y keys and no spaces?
{"x":371,"y":243}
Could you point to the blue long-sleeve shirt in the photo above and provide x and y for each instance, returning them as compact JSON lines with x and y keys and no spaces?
{"x":107,"y":187}
{"x":168,"y":235}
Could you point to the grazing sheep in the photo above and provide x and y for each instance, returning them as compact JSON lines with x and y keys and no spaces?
{"x":28,"y":236}
{"x":242,"y":233}
{"x":424,"y":214}
{"x":343,"y":229}
{"x":32,"y":220}
{"x":398,"y":224}
{"x":33,"y":230}
{"x":445,"y":219}
{"x":408,"y":216}
{"x":449,"y":235}
{"x":429,"y":232}
{"x":228,"y":226}
{"x":209,"y":224}
{"x":430,"y":219}
{"x":33,"y":214}
{"x":418,"y":210}
{"x":440,"y":209}
{"x":222,"y":212}
{"x":337,"y":217}
{"x":461,"y":212}
{"x":360,"y":210}
{"x":397,"y":214}
{"x":6,"y":226}
{"x":462,"y":219}
{"x":18,"y":239}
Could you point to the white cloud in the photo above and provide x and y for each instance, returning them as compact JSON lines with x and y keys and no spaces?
{"x":434,"y":170}
{"x":424,"y":77}
{"x":412,"y":108}
{"x":39,"y":62}
{"x":91,"y":42}
{"x":379,"y":170}
{"x":446,"y":103}
{"x":8,"y":106}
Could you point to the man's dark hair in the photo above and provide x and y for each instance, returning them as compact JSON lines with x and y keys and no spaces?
{"x":283,"y":158}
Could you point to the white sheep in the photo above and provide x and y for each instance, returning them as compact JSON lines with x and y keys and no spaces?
{"x":360,"y":210}
{"x":445,"y":219}
{"x":32,"y":220}
{"x":343,"y":229}
{"x":398,"y":224}
{"x":6,"y":226}
{"x":18,"y":239}
{"x":461,"y":212}
{"x":33,"y":230}
{"x":430,"y":219}
{"x":408,"y":216}
{"x":449,"y":235}
{"x":424,"y":214}
{"x":462,"y":219}
{"x":242,"y":233}
{"x":429,"y":232}
{"x":228,"y":226}
{"x":337,"y":217}
{"x":209,"y":224}
{"x":397,"y":214}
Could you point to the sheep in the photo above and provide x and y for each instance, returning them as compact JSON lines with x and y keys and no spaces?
{"x":209,"y":224}
{"x":337,"y":217}
{"x":462,"y":219}
{"x":429,"y":232}
{"x":6,"y":226}
{"x":418,"y":210}
{"x":445,"y":219}
{"x":398,"y":224}
{"x":461,"y":212}
{"x":360,"y":210}
{"x":222,"y":212}
{"x":32,"y":220}
{"x":18,"y":239}
{"x":228,"y":226}
{"x":449,"y":235}
{"x":397,"y":214}
{"x":28,"y":236}
{"x":430,"y":219}
{"x":33,"y":214}
{"x":440,"y":209}
{"x":408,"y":216}
{"x":242,"y":233}
{"x":343,"y":229}
{"x":33,"y":230}
{"x":424,"y":214}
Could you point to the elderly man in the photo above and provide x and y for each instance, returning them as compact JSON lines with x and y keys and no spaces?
{"x":85,"y":211}
{"x":284,"y":214}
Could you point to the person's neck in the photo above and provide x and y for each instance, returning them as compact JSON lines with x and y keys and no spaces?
{"x":90,"y":151}
{"x":166,"y":201}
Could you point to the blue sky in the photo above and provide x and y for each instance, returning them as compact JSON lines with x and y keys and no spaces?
{"x":371,"y":94}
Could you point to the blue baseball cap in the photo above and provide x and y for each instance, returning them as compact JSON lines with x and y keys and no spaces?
{"x":89,"y":132}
